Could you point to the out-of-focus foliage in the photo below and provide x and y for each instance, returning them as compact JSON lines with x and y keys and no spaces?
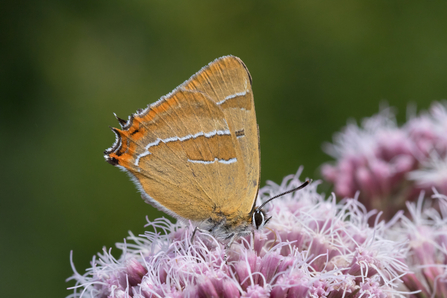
{"x":65,"y":66}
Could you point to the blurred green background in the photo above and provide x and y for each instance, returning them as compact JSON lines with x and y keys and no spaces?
{"x":66,"y":66}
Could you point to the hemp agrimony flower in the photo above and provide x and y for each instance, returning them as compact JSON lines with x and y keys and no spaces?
{"x":388,"y":164}
{"x":312,"y":247}
{"x":425,"y":229}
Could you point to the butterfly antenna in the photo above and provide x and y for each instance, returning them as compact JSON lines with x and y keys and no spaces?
{"x":289,"y":191}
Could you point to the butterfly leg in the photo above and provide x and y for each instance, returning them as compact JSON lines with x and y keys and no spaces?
{"x":232,"y":237}
{"x":193,"y":234}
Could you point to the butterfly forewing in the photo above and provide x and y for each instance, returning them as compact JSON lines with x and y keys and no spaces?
{"x":194,"y":153}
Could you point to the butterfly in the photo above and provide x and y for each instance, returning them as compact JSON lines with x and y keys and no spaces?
{"x":194,"y":153}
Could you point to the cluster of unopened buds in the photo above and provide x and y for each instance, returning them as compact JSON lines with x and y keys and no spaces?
{"x":382,"y":233}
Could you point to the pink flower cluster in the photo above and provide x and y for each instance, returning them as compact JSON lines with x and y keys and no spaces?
{"x":426,"y":232}
{"x":312,"y":247}
{"x":389,"y":165}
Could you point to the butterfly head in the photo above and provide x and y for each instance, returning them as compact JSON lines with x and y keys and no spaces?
{"x":259,"y":218}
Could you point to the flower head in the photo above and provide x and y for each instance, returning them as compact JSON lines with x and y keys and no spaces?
{"x":425,"y":229}
{"x":312,"y":247}
{"x":388,"y":164}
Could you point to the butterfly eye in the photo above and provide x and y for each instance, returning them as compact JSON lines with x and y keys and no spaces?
{"x":259,"y":218}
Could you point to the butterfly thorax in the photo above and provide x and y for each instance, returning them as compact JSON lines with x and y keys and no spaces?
{"x":225,"y":227}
